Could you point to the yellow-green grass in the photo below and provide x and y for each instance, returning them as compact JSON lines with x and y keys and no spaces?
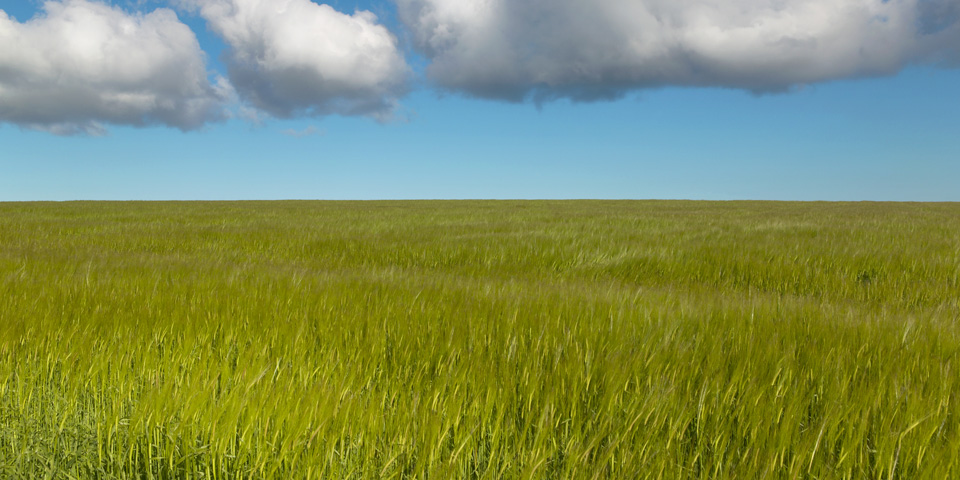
{"x":438,"y":340}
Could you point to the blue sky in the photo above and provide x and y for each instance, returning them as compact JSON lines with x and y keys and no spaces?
{"x":434,"y":121}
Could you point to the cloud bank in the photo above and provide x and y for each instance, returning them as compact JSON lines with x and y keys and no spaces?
{"x":294,"y":58}
{"x":81,"y":65}
{"x":600,"y":49}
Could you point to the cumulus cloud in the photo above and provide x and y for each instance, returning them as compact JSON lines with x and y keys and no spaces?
{"x":297,"y":58}
{"x":80,"y":65}
{"x":600,"y":49}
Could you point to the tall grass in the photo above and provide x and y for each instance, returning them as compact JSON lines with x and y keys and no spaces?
{"x":484,"y":340}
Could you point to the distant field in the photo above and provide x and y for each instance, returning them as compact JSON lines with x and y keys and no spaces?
{"x":441,"y":340}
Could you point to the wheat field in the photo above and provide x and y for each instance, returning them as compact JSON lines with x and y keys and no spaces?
{"x":480,"y":340}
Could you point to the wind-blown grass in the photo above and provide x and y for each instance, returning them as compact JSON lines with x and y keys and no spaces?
{"x":479,"y":340}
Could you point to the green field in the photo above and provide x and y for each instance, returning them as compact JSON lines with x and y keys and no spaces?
{"x":441,"y":340}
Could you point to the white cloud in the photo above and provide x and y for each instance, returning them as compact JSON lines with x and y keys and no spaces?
{"x":81,"y":65}
{"x":592,"y":49}
{"x":297,"y":58}
{"x":310,"y":131}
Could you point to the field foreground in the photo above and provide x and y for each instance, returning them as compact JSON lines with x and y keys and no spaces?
{"x":438,"y":340}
